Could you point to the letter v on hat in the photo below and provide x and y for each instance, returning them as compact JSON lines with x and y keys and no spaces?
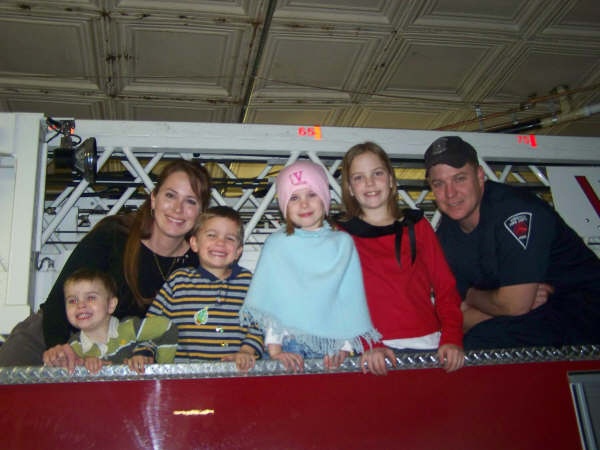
{"x":296,"y":178}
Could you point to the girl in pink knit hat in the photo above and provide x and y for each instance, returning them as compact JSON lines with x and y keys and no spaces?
{"x":307,"y":291}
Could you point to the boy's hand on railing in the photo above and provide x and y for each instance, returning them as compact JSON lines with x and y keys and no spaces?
{"x":244,"y":360}
{"x":94,"y":364}
{"x":137,"y":363}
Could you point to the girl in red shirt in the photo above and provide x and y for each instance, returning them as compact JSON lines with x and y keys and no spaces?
{"x":411,"y":292}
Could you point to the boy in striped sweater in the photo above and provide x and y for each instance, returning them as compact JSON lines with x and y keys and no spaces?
{"x":204,"y":301}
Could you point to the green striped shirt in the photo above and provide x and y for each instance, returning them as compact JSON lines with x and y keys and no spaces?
{"x":152,"y":336}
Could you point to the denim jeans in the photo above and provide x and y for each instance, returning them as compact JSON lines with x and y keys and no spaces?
{"x":291,"y":345}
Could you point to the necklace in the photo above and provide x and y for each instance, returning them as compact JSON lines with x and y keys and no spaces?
{"x":160,"y":267}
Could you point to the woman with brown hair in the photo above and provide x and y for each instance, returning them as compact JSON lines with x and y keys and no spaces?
{"x":139,"y":250}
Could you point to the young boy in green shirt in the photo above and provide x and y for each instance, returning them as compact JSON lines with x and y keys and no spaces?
{"x":90,"y":300}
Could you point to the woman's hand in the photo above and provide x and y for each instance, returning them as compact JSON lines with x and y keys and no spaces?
{"x":62,"y":356}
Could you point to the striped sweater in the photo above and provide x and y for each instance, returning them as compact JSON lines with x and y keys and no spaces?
{"x":153,"y":336}
{"x":206,"y":311}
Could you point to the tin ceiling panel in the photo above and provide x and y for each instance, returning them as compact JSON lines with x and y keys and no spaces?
{"x":434,"y":64}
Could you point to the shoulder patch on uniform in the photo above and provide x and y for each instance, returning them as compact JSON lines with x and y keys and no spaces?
{"x":519,"y":226}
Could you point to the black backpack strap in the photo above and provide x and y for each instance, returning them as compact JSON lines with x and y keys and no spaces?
{"x":411,"y":217}
{"x":398,"y":228}
{"x":413,"y":242}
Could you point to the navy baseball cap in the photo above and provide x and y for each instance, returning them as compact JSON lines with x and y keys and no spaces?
{"x":450,"y":150}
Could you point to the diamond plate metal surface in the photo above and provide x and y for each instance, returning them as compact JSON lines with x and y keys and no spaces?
{"x":404,"y":360}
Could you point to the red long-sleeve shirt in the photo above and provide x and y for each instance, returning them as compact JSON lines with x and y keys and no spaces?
{"x":399,"y":295}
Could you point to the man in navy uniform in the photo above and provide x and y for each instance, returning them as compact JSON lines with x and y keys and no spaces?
{"x":526,"y":278}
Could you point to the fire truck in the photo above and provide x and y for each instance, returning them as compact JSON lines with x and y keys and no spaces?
{"x":59,"y":177}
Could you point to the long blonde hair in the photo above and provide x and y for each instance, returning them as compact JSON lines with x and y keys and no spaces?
{"x":350,"y":204}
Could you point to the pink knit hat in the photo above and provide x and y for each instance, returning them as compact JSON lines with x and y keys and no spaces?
{"x":299,"y":175}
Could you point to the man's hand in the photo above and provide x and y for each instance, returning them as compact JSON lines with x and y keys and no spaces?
{"x":544,"y":291}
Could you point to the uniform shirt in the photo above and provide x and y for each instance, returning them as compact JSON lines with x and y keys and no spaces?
{"x":206,"y":311}
{"x":519,"y":239}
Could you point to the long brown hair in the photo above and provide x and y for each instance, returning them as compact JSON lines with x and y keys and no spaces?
{"x":141,"y":226}
{"x":351,"y":207}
